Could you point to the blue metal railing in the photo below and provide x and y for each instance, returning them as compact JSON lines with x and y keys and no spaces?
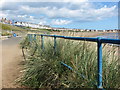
{"x":99,"y":41}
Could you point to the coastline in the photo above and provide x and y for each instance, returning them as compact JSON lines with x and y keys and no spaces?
{"x":83,"y":34}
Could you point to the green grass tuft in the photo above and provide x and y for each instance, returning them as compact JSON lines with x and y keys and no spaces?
{"x":44,"y":70}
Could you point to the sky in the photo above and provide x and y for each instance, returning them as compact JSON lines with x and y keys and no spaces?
{"x":79,"y":14}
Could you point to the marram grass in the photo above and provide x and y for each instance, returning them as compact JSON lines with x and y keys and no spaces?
{"x":44,"y":70}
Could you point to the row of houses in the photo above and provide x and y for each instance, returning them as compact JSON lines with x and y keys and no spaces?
{"x":113,"y":30}
{"x":23,"y":24}
{"x":26,"y":24}
{"x":5,"y":21}
{"x":32,"y":25}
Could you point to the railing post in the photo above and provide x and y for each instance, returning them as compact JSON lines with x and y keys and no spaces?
{"x":31,"y":38}
{"x":99,"y":46}
{"x":28,"y":36}
{"x":42,"y":42}
{"x":34,"y":37}
{"x":55,"y":44}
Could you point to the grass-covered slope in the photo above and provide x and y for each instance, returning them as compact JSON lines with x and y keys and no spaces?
{"x":43,"y":68}
{"x":10,"y":27}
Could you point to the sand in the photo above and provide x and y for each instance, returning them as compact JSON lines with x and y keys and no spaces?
{"x":11,"y":59}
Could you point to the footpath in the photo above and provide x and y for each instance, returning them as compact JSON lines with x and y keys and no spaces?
{"x":11,"y":62}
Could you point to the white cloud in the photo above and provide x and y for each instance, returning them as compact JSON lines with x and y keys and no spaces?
{"x":22,"y":16}
{"x":2,"y":14}
{"x":106,"y":12}
{"x":25,"y":17}
{"x":60,"y":22}
{"x":73,"y":1}
{"x":45,"y":0}
{"x":60,"y":0}
{"x":82,"y":11}
{"x":42,"y":22}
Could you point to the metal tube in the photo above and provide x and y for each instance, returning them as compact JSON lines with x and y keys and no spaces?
{"x":66,"y":66}
{"x":42,"y":42}
{"x":55,"y":44}
{"x":112,"y":41}
{"x":34,"y":37}
{"x":99,"y":46}
{"x":28,"y":37}
{"x":103,"y":40}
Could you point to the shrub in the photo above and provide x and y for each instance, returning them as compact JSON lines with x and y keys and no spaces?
{"x":6,"y":34}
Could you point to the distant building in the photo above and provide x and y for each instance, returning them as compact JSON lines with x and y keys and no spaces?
{"x":26,"y":24}
{"x":9,"y":22}
{"x":34,"y":26}
{"x":5,"y":21}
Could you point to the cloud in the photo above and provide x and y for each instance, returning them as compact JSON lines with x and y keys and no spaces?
{"x":59,"y":12}
{"x":106,"y":12}
{"x":60,"y":0}
{"x":60,"y":22}
{"x":32,"y":19}
{"x":83,"y":13}
{"x":45,"y":0}
{"x":2,"y":14}
{"x":42,"y":22}
{"x":22,"y":16}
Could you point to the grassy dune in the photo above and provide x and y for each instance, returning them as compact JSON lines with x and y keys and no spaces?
{"x":6,"y":30}
{"x":43,"y":68}
{"x":10,"y":27}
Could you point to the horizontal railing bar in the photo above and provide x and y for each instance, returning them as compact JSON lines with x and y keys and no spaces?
{"x":102,"y":40}
{"x":82,"y":38}
{"x":58,"y":36}
{"x":112,"y":41}
{"x":99,"y":41}
{"x":66,"y":66}
{"x":70,"y":68}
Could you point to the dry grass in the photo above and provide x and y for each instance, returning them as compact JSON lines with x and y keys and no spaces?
{"x":43,"y":68}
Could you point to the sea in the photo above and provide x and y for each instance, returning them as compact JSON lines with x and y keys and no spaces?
{"x":111,"y":35}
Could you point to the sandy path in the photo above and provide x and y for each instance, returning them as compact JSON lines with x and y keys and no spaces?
{"x":0,"y":64}
{"x":11,"y":59}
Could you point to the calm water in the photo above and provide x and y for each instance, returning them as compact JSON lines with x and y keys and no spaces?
{"x":111,"y":35}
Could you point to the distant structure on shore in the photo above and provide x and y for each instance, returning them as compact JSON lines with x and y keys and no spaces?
{"x":32,"y":25}
{"x":84,"y":30}
{"x":24,"y":24}
{"x":5,"y":21}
